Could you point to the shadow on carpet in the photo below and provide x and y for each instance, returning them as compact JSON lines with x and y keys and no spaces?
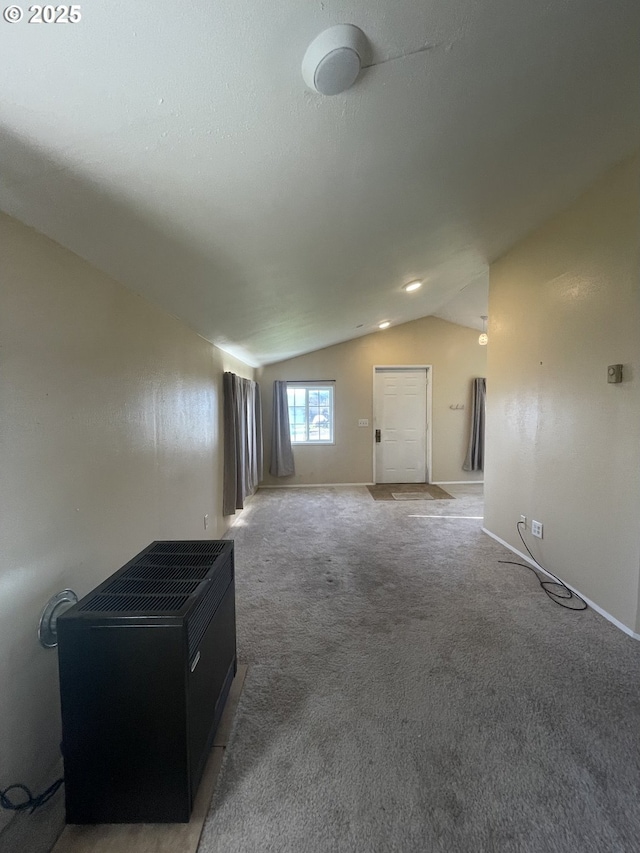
{"x":408,"y":492}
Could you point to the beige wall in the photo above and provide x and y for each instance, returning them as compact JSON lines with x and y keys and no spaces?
{"x":110,"y":438}
{"x":563,"y":446}
{"x":456,"y":357}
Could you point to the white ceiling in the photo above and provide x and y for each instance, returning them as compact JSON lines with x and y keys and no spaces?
{"x":176,"y":147}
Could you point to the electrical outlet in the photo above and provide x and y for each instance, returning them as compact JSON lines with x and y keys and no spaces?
{"x":206,"y":522}
{"x":523,"y":520}
{"x":363,"y":422}
{"x":536,"y":529}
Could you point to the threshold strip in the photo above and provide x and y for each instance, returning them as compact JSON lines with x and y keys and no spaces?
{"x":447,"y":516}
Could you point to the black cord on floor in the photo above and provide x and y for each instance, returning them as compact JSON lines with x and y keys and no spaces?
{"x":32,"y":803}
{"x":557,"y":597}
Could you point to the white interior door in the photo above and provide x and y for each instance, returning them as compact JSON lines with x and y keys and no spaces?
{"x":400,"y":413}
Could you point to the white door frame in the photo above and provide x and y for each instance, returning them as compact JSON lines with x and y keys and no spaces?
{"x":428,"y":474}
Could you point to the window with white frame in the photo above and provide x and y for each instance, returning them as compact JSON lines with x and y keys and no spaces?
{"x":311,"y":412}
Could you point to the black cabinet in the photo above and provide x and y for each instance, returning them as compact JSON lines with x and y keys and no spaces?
{"x":146,"y":662}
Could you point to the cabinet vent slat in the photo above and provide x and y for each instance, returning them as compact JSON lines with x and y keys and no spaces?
{"x":148,"y":604}
{"x":163,"y":578}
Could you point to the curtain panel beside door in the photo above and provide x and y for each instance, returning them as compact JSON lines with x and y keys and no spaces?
{"x":475,"y":454}
{"x":242,"y":441}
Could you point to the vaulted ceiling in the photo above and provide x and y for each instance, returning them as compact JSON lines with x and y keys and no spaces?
{"x":176,"y":147}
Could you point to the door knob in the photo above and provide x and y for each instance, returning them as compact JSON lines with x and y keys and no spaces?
{"x":378,"y":439}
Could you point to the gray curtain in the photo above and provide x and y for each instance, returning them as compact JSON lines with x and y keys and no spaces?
{"x":282,"y":464}
{"x":257,"y":445}
{"x":475,"y":454}
{"x":242,"y":441}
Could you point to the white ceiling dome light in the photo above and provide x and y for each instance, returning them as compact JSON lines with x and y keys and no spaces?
{"x":334,"y":59}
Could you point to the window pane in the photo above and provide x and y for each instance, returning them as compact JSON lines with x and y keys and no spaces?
{"x":310,"y":414}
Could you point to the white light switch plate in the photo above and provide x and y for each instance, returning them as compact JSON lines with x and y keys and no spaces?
{"x":363,"y":422}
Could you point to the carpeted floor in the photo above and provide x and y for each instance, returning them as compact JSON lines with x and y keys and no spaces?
{"x":408,"y":693}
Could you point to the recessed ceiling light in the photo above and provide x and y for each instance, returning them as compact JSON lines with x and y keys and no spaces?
{"x":413,"y":285}
{"x":385,"y":325}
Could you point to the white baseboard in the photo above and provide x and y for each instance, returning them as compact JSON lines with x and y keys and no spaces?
{"x":591,"y":604}
{"x":312,"y":485}
{"x":457,"y":482}
{"x":335,"y":485}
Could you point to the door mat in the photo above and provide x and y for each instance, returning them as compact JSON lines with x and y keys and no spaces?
{"x":412,"y":496}
{"x":418,"y":492}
